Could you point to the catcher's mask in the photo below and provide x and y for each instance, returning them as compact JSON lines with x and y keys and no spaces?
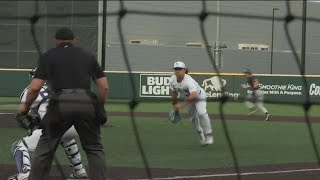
{"x":32,"y":73}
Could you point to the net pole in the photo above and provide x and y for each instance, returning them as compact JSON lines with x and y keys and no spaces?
{"x":104,"y":32}
{"x":217,"y":51}
{"x":303,"y":43}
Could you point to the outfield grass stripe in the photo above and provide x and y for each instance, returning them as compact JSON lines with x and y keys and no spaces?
{"x":234,"y":174}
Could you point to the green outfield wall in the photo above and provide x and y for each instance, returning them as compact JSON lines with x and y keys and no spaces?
{"x":279,"y":88}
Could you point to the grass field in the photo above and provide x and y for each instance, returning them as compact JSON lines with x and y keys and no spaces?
{"x":176,"y":146}
{"x":213,"y":107}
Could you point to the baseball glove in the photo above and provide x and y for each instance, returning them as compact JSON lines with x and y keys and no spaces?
{"x":28,"y":121}
{"x":174,"y":116}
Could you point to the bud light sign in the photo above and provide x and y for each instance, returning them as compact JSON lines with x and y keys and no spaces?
{"x":154,"y":85}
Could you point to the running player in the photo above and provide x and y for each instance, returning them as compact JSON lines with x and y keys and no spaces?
{"x":182,"y":83}
{"x":21,"y":148}
{"x":254,"y":100}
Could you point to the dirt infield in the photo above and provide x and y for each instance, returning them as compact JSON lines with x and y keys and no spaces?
{"x":309,"y":171}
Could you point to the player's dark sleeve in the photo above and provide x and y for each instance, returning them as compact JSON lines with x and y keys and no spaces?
{"x":97,"y":72}
{"x":249,"y":80}
{"x":42,"y":70}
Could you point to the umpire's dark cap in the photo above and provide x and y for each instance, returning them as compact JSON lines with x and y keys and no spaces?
{"x":64,"y":34}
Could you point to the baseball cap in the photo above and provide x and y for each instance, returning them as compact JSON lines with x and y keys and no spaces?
{"x":179,"y":64}
{"x":64,"y":34}
{"x":247,"y":71}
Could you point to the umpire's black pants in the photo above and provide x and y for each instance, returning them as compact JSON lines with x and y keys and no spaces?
{"x":65,"y":110}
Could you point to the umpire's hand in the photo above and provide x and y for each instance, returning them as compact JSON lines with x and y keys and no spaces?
{"x":101,"y":114}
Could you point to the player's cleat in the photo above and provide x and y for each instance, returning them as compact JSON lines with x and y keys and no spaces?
{"x":267,"y":117}
{"x":209,"y":139}
{"x":13,"y":177}
{"x":202,"y":140}
{"x":252,"y":112}
{"x":79,"y":174}
{"x":20,"y":176}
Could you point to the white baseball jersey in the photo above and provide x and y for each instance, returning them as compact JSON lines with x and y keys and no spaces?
{"x":186,"y":86}
{"x":42,"y":97}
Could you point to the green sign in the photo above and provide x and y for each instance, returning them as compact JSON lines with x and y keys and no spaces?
{"x":275,"y":88}
{"x":285,"y":89}
{"x":154,"y":85}
{"x":213,"y":86}
{"x":157,"y":85}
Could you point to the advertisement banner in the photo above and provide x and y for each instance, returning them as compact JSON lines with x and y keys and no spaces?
{"x":284,"y":89}
{"x":148,"y":85}
{"x":274,"y":88}
{"x":314,"y":89}
{"x":154,"y":85}
{"x":213,"y":86}
{"x":157,"y":85}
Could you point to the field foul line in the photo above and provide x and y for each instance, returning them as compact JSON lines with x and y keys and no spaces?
{"x":6,"y":113}
{"x":234,"y":174}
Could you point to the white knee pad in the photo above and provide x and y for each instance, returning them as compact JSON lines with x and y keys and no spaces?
{"x":69,"y":135}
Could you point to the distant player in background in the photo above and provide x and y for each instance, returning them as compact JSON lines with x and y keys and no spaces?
{"x":195,"y":100}
{"x":21,"y":148}
{"x":254,"y":99}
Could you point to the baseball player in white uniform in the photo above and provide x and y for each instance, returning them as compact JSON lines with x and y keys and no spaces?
{"x":182,"y":83}
{"x":254,"y":100}
{"x":20,"y":149}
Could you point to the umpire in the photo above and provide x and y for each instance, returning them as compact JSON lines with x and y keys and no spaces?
{"x":68,"y":71}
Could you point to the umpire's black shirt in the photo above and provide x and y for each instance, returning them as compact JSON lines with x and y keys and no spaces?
{"x":68,"y":67}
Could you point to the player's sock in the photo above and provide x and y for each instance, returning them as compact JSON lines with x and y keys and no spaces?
{"x":72,"y":151}
{"x":21,"y":155}
{"x":205,"y":124}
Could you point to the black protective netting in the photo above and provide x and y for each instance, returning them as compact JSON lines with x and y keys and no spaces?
{"x":202,"y":17}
